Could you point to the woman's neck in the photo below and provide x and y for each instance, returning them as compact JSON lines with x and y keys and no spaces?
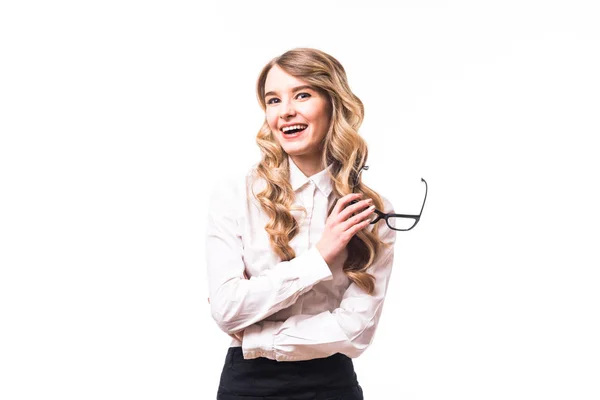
{"x":307,"y":164}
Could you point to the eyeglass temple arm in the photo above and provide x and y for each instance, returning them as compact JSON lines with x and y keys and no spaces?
{"x":423,"y":180}
{"x":365,"y":167}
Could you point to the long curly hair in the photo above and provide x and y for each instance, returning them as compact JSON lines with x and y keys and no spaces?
{"x":343,"y":148}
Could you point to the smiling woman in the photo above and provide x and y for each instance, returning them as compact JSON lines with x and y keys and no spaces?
{"x":297,"y":275}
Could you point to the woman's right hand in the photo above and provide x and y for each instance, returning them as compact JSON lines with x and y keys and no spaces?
{"x":342,"y":225}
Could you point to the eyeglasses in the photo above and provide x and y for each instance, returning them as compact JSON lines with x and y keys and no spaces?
{"x":397,"y":222}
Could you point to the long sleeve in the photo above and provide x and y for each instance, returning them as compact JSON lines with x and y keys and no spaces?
{"x":237,"y":302}
{"x":348,"y":329}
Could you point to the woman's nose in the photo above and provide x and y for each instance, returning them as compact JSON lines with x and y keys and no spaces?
{"x":286,"y":110}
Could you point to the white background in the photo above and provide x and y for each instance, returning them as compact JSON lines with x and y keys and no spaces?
{"x":118,"y":117}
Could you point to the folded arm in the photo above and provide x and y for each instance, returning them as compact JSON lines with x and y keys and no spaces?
{"x":349,"y":329}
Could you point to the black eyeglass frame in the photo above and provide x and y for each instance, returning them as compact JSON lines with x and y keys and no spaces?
{"x":381,"y":215}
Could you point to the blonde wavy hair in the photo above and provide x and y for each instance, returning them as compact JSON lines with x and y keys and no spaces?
{"x":343,"y":148}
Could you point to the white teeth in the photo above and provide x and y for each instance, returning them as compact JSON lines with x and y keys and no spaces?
{"x":288,"y":128}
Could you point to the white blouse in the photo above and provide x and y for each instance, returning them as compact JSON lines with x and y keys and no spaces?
{"x":289,"y":310}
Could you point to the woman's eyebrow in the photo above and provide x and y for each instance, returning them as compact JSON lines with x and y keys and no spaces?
{"x":295,"y":89}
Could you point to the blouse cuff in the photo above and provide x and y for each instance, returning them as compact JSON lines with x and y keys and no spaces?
{"x":258,"y":340}
{"x":320,"y":269}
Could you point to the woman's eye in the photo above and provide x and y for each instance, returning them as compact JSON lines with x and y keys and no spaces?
{"x":273,"y":99}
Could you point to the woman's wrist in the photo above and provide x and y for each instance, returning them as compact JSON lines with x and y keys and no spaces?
{"x":325,"y":254}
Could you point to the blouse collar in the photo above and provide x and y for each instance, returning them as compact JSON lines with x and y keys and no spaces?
{"x":321,"y":179}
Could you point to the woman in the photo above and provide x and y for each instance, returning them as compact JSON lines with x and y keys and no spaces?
{"x":297,"y":274}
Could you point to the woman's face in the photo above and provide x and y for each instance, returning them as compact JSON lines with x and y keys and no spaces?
{"x":290,"y":102}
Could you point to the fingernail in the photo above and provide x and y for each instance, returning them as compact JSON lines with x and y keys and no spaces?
{"x":372,"y":208}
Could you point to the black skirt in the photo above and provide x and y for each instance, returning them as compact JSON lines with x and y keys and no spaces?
{"x":331,"y":378}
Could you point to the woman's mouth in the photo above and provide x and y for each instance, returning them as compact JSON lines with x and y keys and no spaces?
{"x":293,"y":131}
